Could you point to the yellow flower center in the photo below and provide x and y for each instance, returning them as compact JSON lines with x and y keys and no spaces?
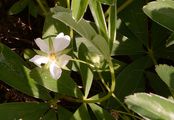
{"x":52,"y":56}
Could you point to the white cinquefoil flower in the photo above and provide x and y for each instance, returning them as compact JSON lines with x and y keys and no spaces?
{"x":55,"y":60}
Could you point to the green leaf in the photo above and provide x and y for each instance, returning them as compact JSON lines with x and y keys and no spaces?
{"x":81,"y":113}
{"x":170,"y":40}
{"x":50,"y":115}
{"x":131,"y":79}
{"x":159,"y":87}
{"x":108,"y":2}
{"x":112,"y":24}
{"x":52,"y":27}
{"x":100,"y":113}
{"x":99,"y":17}
{"x":85,"y":30}
{"x":63,"y":114}
{"x":86,"y":72}
{"x":166,"y":73}
{"x":127,"y":46}
{"x":162,"y":13}
{"x":32,"y":8}
{"x":151,"y":106}
{"x":64,"y":85}
{"x":14,"y":73}
{"x":79,"y":8}
{"x":24,"y":111}
{"x":18,"y":7}
{"x":82,"y":27}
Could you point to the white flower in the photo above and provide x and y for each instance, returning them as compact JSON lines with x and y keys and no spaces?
{"x":54,"y":59}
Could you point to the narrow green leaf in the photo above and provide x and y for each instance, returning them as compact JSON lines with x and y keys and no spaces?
{"x":112,"y":24}
{"x":99,"y":18}
{"x":162,"y":13}
{"x":86,"y":72}
{"x":82,"y":27}
{"x":63,"y":114}
{"x":166,"y":73}
{"x":50,"y":115}
{"x":78,"y":8}
{"x":52,"y":27}
{"x":81,"y":113}
{"x":151,"y":106}
{"x":85,"y":29}
{"x":100,"y":113}
{"x":14,"y":73}
{"x":18,"y":7}
{"x":23,"y":111}
{"x":64,"y":85}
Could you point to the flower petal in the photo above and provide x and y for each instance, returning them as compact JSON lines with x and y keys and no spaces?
{"x":38,"y":60}
{"x":61,"y":42}
{"x":55,"y":71}
{"x":63,"y":60}
{"x":43,"y":45}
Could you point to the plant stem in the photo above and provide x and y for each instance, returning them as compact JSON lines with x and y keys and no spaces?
{"x":124,"y":5}
{"x":42,"y":7}
{"x":81,"y":61}
{"x":150,"y":53}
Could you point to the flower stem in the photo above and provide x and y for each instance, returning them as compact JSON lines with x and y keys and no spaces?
{"x":81,"y":61}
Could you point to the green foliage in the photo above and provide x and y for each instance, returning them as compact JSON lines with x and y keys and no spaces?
{"x":15,"y":73}
{"x":162,"y":13}
{"x":12,"y":111}
{"x":65,"y":85}
{"x":116,"y":53}
{"x":151,"y":106}
{"x":21,"y":5}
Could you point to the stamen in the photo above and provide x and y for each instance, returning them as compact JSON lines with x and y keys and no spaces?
{"x":52,"y":56}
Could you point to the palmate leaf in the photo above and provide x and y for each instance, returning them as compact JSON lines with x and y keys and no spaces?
{"x":137,"y":27}
{"x":14,"y":73}
{"x":151,"y":106}
{"x":78,"y":8}
{"x":64,"y":85}
{"x":162,"y":12}
{"x":24,"y":111}
{"x":131,"y":79}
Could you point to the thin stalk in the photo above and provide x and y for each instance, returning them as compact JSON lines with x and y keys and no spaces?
{"x":150,"y":53}
{"x":124,"y":5}
{"x":42,"y":7}
{"x":113,"y":95}
{"x":81,"y":61}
